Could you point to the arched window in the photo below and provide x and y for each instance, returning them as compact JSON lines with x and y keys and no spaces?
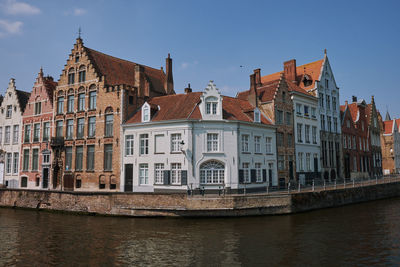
{"x":71,"y":76}
{"x":212,"y":172}
{"x":211,"y":105}
{"x":82,"y":74}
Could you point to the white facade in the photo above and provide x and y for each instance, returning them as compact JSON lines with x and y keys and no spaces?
{"x":10,"y":135}
{"x":307,"y":136}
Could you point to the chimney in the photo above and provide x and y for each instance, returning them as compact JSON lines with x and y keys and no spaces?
{"x":289,"y":69}
{"x":253,"y":98}
{"x":169,"y":83}
{"x":257,"y":73}
{"x":188,"y":89}
{"x":354,"y":99}
{"x":346,"y":103}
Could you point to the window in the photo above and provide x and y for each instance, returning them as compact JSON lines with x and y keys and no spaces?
{"x":283,"y":97}
{"x":307,"y":133}
{"x":90,"y":158}
{"x":211,"y":105}
{"x":70,"y":103}
{"x":109,"y":125}
{"x":326,"y":83}
{"x":329,"y":118}
{"x":298,"y":109}
{"x":257,"y":144}
{"x":344,"y":141}
{"x":144,"y":144}
{"x":212,"y":172}
{"x":362,"y":125}
{"x":68,"y":158}
{"x":144,"y":174}
{"x":175,"y":142}
{"x":299,"y":133}
{"x":279,"y":139}
{"x":38,"y":108}
{"x":146,"y":113}
{"x":175,"y":173}
{"x":81,"y":102}
{"x":82,"y":75}
{"x":129,"y":145}
{"x":308,"y":162}
{"x":108,"y":157}
{"x":279,"y":117}
{"x":35,"y":159}
{"x":321,"y":100}
{"x":314,"y":134}
{"x":328,"y":102}
{"x":7,"y":135}
{"x":46,"y":158}
{"x":159,"y":143}
{"x":334,"y":103}
{"x":323,"y":122}
{"x":258,"y":172}
{"x":71,"y":76}
{"x":15,"y":134}
{"x":256,"y":115}
{"x":9,"y":112}
{"x":36,"y":132}
{"x":245,"y":143}
{"x":288,"y":118}
{"x":313,"y":113}
{"x":360,"y":142}
{"x":289,"y":140}
{"x":212,"y":142}
{"x":159,"y":173}
{"x":80,"y":128}
{"x":77,"y":58}
{"x":60,"y":105}
{"x":354,"y":163}
{"x":27,"y":135}
{"x":335,"y":125}
{"x":268,"y":145}
{"x":348,"y":123}
{"x":70,"y":129}
{"x":281,"y":163}
{"x":354,"y":142}
{"x":246,"y":172}
{"x":91,"y":126}
{"x":8,"y":163}
{"x":26,"y":160}
{"x":300,"y":157}
{"x":1,"y":135}
{"x":349,"y":142}
{"x":15,"y":162}
{"x":46,"y":131}
{"x":92,"y":99}
{"x":79,"y":158}
{"x":306,"y":111}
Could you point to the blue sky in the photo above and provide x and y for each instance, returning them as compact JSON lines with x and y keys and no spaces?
{"x":210,"y":40}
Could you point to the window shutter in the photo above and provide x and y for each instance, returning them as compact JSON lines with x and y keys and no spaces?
{"x":253,"y":175}
{"x":167,"y":177}
{"x":264,"y":172}
{"x":240,"y":176}
{"x":183,"y":177}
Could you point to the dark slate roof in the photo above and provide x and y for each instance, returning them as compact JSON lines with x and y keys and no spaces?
{"x":23,"y":98}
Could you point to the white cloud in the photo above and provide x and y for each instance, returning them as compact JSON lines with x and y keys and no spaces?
{"x":185,"y":65}
{"x":7,"y":27}
{"x":79,"y":11}
{"x":12,"y":7}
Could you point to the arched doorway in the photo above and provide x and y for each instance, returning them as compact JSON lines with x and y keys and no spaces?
{"x":212,"y":172}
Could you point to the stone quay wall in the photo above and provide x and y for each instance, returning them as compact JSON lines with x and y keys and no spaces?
{"x":151,"y":204}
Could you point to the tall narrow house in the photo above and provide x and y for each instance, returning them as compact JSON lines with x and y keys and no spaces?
{"x":374,"y":135}
{"x":95,"y":94}
{"x":37,"y":121}
{"x":11,"y":110}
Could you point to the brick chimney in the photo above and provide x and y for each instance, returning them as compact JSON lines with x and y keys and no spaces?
{"x":253,"y":98}
{"x":257,"y":73}
{"x":354,"y":98}
{"x":169,"y":83}
{"x":188,"y":90}
{"x":289,"y":69}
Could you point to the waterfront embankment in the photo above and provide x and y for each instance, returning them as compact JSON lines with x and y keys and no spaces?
{"x":168,"y":204}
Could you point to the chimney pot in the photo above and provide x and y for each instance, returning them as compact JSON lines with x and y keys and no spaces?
{"x":188,"y":89}
{"x":354,"y":98}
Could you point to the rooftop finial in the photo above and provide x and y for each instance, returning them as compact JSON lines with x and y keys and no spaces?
{"x":325,"y":51}
{"x":79,"y":32}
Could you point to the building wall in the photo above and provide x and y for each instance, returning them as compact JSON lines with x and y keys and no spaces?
{"x":376,"y":151}
{"x":13,"y":146}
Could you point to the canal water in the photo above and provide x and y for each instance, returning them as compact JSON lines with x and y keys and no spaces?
{"x":363,"y":235}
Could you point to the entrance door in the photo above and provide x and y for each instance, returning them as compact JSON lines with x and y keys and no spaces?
{"x":128,"y":178}
{"x":347,"y":166}
{"x":45,"y":177}
{"x":68,"y":182}
{"x":270,"y":176}
{"x":291,"y":170}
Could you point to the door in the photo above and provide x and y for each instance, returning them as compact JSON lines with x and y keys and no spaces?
{"x":128,"y":178}
{"x":291,"y":170}
{"x":347,"y":166}
{"x":45,"y":177}
{"x":68,"y":182}
{"x":270,"y":176}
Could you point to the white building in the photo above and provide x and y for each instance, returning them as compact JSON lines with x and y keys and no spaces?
{"x":307,"y":135}
{"x":11,"y":110}
{"x":199,"y":140}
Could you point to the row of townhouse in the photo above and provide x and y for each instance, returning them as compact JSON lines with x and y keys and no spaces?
{"x":109,"y":124}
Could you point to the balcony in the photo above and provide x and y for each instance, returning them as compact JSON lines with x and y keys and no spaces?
{"x":57,"y":141}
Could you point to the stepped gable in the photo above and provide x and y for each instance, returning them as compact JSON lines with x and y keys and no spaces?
{"x":119,"y":71}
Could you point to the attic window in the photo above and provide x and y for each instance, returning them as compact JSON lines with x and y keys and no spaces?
{"x":76,"y":58}
{"x":307,"y":81}
{"x":256,"y":115}
{"x":131,"y":100}
{"x":146,"y":113}
{"x":211,"y":105}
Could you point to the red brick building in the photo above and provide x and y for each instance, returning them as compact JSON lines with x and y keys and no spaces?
{"x":95,"y":94}
{"x":356,"y":140}
{"x":37,"y":121}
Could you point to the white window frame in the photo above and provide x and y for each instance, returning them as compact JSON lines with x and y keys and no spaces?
{"x":176,"y":173}
{"x":268,"y":145}
{"x":129,"y":144}
{"x":257,"y":144}
{"x":144,"y":144}
{"x":246,"y":172}
{"x":159,"y":173}
{"x":176,"y":139}
{"x":258,"y":168}
{"x":212,"y":142}
{"x":143,"y":173}
{"x":245,"y":143}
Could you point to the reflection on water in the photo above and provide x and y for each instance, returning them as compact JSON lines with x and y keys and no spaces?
{"x":363,"y":234}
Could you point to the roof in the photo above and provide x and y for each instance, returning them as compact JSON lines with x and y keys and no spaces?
{"x":119,"y":71}
{"x":186,"y":107}
{"x":353,"y":108}
{"x":388,"y":125}
{"x":23,"y":98}
{"x":313,"y":70}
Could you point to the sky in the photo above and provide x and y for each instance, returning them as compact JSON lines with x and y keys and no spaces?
{"x":223,"y":41}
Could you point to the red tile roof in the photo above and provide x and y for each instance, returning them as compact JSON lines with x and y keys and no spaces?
{"x":186,"y":106}
{"x":265,"y":93}
{"x":119,"y":71}
{"x":353,"y":108}
{"x":388,"y":127}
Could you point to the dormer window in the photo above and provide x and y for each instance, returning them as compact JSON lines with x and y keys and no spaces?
{"x":307,"y":81}
{"x":146,"y":113}
{"x":257,"y":115}
{"x":211,"y":105}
